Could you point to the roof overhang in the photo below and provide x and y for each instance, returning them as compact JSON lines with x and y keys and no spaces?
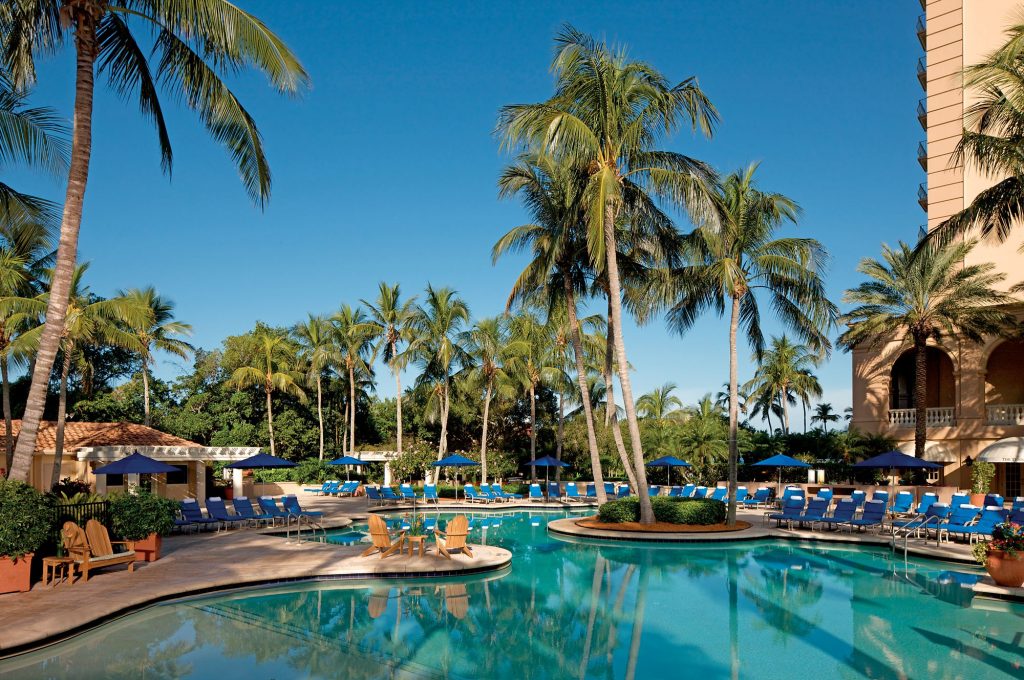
{"x":934,"y":451}
{"x":168,"y":454}
{"x":1008,"y":450}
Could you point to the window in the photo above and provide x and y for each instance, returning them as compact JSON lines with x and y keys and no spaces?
{"x":1013,"y":480}
{"x":178,"y":477}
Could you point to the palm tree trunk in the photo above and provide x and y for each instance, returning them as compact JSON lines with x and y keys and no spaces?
{"x":344,"y":428}
{"x":398,"y":403}
{"x":638,"y":622}
{"x":320,"y":412}
{"x":804,"y":403}
{"x":559,"y":433}
{"x":483,"y":434}
{"x":576,"y":337}
{"x":734,"y":322}
{"x":920,"y":393}
{"x":8,"y":418}
{"x":67,"y":248}
{"x":62,"y":410}
{"x":270,"y":421}
{"x":533,"y":433}
{"x":784,"y":402}
{"x":352,"y":413}
{"x":611,"y":418}
{"x":145,"y":395}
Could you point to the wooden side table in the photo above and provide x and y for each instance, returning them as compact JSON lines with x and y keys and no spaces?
{"x":413,"y":541}
{"x":57,"y":570}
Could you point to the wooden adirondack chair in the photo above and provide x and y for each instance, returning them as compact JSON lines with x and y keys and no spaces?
{"x":454,"y":539}
{"x":93,"y":549}
{"x":456,"y":600}
{"x":382,"y":538}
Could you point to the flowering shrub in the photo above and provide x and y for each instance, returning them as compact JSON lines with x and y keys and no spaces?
{"x":1007,"y":537}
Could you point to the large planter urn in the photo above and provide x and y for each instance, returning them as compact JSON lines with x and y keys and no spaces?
{"x":148,"y":549}
{"x":978,"y":500}
{"x":1005,"y":570}
{"x":16,"y":574}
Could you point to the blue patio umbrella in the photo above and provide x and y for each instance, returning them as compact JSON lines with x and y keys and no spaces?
{"x":455,"y":461}
{"x":897,"y":460}
{"x":261,"y":461}
{"x":346,"y":461}
{"x":135,"y":464}
{"x":547,"y":462}
{"x":780,"y":461}
{"x":668,"y":462}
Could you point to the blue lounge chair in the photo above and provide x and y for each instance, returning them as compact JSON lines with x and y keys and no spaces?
{"x":792,"y":508}
{"x":591,"y":491}
{"x":902,"y":504}
{"x":572,"y":493}
{"x":243,"y":508}
{"x":994,"y":499}
{"x":933,"y":516}
{"x":488,"y":491}
{"x":990,"y":517}
{"x":389,"y":495}
{"x":554,"y":490}
{"x":858,"y":497}
{"x":191,"y":511}
{"x":535,"y":493}
{"x":623,"y":491}
{"x":791,"y":491}
{"x":1018,"y":504}
{"x":609,"y":489}
{"x":430,"y":493}
{"x":815,"y":512}
{"x":269,"y":507}
{"x":181,"y":524}
{"x":872,"y":516}
{"x":760,"y":498}
{"x":882,"y":496}
{"x":675,"y":492}
{"x":824,"y":494}
{"x":700,"y":492}
{"x":218,"y":511}
{"x":291,"y":505}
{"x":741,"y":494}
{"x":654,"y":490}
{"x":496,"y":488}
{"x":429,"y":524}
{"x":927,"y":500}
{"x":720,"y":493}
{"x":474,"y":496}
{"x":958,"y":500}
{"x":1017,"y":516}
{"x":846,"y":508}
{"x":959,"y":519}
{"x":349,"y":489}
{"x":373,"y":495}
{"x":687,"y":491}
{"x":406,"y":491}
{"x":321,"y":490}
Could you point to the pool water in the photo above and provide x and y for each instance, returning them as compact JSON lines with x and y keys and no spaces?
{"x":577,"y":609}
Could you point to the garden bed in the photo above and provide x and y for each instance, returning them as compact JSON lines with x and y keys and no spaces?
{"x":660,"y":527}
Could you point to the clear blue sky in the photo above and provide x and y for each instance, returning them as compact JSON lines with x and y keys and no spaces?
{"x":387,"y":168}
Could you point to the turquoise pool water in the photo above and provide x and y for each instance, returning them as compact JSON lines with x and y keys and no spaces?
{"x":572,"y":609}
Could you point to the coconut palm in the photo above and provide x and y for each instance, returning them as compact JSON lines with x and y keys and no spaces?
{"x":784,"y":375}
{"x":737,"y":260}
{"x":156,"y":333}
{"x":607,"y":114}
{"x":659,"y":403}
{"x":437,"y":348}
{"x":824,"y":414}
{"x":489,"y":350}
{"x":917,"y":296}
{"x":190,"y":48}
{"x":319,"y":354}
{"x":535,"y":364}
{"x":353,"y":337}
{"x":392,"y":320}
{"x":271,"y":367}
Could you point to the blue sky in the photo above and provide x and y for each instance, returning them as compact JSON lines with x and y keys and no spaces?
{"x":386,"y":169}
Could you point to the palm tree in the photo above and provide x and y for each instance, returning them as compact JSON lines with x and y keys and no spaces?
{"x":489,"y":349}
{"x":914,"y":296}
{"x":734,"y":258}
{"x":783,"y":375}
{"x":271,"y":360}
{"x":659,"y":404}
{"x":194,"y":45}
{"x":437,"y":347}
{"x":319,"y":353}
{"x":392,"y":319}
{"x":824,"y":414}
{"x":353,"y":336}
{"x":535,"y":364}
{"x":607,"y":114}
{"x":156,"y":333}
{"x":722,"y":400}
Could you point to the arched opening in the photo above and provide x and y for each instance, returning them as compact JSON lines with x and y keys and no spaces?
{"x":941,"y":389}
{"x":1004,"y":374}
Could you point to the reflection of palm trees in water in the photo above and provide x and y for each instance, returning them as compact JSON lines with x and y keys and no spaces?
{"x":787,"y":585}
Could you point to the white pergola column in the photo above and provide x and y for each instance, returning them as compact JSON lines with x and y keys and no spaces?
{"x":101,"y":484}
{"x":131,"y":482}
{"x":236,"y":482}
{"x":387,"y":474}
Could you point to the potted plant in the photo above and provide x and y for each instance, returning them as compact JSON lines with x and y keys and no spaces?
{"x":144,"y":519}
{"x":26,"y":518}
{"x":1003,"y":556}
{"x":982,"y":474}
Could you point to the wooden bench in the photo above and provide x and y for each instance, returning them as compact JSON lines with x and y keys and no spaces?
{"x":93,"y":549}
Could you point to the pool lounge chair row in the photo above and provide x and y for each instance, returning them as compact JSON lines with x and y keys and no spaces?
{"x":334,"y":488}
{"x":245,"y":514}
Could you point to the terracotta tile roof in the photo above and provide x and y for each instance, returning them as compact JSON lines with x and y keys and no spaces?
{"x":80,"y":435}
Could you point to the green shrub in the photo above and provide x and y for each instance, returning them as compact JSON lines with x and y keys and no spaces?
{"x":620,"y":511}
{"x":26,"y":518}
{"x":136,"y":516}
{"x":700,"y":511}
{"x":982,"y":474}
{"x":314,"y":471}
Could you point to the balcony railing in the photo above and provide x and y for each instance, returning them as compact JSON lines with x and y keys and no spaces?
{"x":1005,"y":414}
{"x":922,"y":114}
{"x":922,"y":197}
{"x":907,"y":417}
{"x":922,"y":155}
{"x":922,"y":73}
{"x":922,"y":32}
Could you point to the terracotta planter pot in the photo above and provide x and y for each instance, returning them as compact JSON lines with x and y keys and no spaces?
{"x":16,"y":575}
{"x":1004,"y":570}
{"x":229,"y":493}
{"x":148,"y":549}
{"x":978,"y":499}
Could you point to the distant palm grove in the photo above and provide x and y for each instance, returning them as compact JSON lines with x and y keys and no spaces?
{"x":617,"y":226}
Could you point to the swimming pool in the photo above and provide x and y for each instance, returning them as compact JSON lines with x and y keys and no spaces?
{"x":577,"y":609}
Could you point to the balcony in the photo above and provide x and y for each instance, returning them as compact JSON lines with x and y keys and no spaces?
{"x":922,"y":114}
{"x":922,"y":197}
{"x":922,"y":73}
{"x":1005,"y":414}
{"x":907,"y":417}
{"x":922,"y":155}
{"x":922,"y":32}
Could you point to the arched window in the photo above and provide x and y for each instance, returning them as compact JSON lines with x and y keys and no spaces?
{"x":941,"y":386}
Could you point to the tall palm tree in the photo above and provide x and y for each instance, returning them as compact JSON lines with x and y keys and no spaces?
{"x":319,"y":354}
{"x":489,"y":349}
{"x":659,"y":403}
{"x":824,"y":414}
{"x":271,"y":361}
{"x":353,"y":336}
{"x":392,"y":318}
{"x":736,"y":257}
{"x":156,"y":333}
{"x":535,"y":364}
{"x":607,"y":114}
{"x":437,"y":347}
{"x":194,"y":45}
{"x":919,"y":295}
{"x":784,"y":376}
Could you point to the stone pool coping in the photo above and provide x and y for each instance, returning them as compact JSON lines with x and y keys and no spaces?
{"x":207,"y":563}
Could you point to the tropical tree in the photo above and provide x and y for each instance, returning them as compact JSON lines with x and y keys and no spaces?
{"x":318,"y":354}
{"x":489,"y":350}
{"x":535,"y":364}
{"x":784,"y":375}
{"x":703,"y":439}
{"x":392,"y":318}
{"x":270,"y":366}
{"x":737,"y":260}
{"x":193,"y":47}
{"x":157,"y":331}
{"x":824,"y":414}
{"x":353,"y":337}
{"x":659,"y":404}
{"x":919,"y":295}
{"x":608,"y":114}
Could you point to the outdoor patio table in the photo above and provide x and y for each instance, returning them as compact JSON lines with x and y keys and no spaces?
{"x":413,"y":541}
{"x":56,"y":570}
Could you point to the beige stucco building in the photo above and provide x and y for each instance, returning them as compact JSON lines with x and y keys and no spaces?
{"x":975,"y":392}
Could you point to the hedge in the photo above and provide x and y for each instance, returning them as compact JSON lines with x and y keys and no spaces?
{"x":701,"y":511}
